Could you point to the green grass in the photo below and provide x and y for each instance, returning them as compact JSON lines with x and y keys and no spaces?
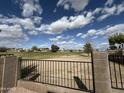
{"x":42,"y":55}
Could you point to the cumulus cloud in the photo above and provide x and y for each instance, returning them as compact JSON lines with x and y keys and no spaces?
{"x":101,"y":34}
{"x":109,"y":11}
{"x":14,"y":31}
{"x":66,"y":42}
{"x":27,"y":23}
{"x":120,"y":8}
{"x":66,"y":6}
{"x":109,"y":2}
{"x":61,"y":38}
{"x":79,"y":34}
{"x":102,"y":46}
{"x":66,"y":23}
{"x":77,"y":5}
{"x":12,"y":35}
{"x":107,"y":31}
{"x":29,"y":7}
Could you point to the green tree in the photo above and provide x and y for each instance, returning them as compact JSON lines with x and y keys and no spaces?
{"x":88,"y":48}
{"x":117,"y":38}
{"x":54,"y":48}
{"x":34,"y":48}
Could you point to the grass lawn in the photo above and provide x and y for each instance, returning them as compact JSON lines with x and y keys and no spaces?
{"x":43,"y":55}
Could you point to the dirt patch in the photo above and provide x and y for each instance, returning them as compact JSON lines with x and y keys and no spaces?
{"x":72,"y":58}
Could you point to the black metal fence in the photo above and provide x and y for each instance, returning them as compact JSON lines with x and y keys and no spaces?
{"x":116,"y":65}
{"x":69,"y":74}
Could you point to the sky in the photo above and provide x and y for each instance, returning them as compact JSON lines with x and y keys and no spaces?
{"x":66,"y":23}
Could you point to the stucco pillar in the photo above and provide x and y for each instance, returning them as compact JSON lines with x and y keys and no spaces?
{"x":101,"y":73}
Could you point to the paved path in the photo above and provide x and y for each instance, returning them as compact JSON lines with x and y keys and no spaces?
{"x":20,"y":90}
{"x":117,"y":91}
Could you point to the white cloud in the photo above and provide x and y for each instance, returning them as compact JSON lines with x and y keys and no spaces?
{"x":84,"y":35}
{"x":66,"y":23}
{"x":14,"y":31}
{"x":66,"y":6}
{"x":45,"y":45}
{"x":103,"y":17}
{"x":63,"y":24}
{"x":71,"y":45}
{"x":29,"y":7}
{"x":33,"y":32}
{"x":61,"y":38}
{"x":66,"y":42}
{"x":11,"y":36}
{"x":109,"y":11}
{"x":102,"y":46}
{"x":109,"y":2}
{"x":77,"y":5}
{"x":59,"y":25}
{"x":79,"y":34}
{"x":91,"y":32}
{"x":115,"y":29}
{"x":27,"y":23}
{"x":97,"y":10}
{"x":120,"y":8}
{"x":37,"y":19}
{"x":107,"y":31}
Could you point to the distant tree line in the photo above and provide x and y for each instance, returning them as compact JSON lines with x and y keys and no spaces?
{"x":3,"y":49}
{"x":54,"y":48}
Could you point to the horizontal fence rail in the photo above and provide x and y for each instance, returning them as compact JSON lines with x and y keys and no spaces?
{"x":70,"y":74}
{"x":116,"y":65}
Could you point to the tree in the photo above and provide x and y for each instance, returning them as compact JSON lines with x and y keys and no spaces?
{"x":3,"y":49}
{"x":88,"y":48}
{"x":34,"y":48}
{"x":117,"y":38}
{"x":54,"y":48}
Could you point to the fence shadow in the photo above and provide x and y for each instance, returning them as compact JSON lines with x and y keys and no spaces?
{"x":34,"y":77}
{"x":80,"y":84}
{"x":30,"y":72}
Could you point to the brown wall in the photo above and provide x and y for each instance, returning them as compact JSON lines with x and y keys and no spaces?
{"x":8,"y":79}
{"x":1,"y":71}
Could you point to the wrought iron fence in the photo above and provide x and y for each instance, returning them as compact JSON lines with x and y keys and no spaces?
{"x":69,"y":74}
{"x":116,"y":65}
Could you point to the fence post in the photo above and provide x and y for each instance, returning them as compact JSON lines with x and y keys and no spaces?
{"x":101,"y":72}
{"x":19,"y":68}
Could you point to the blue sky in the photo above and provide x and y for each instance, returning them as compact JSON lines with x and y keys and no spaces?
{"x":66,"y":23}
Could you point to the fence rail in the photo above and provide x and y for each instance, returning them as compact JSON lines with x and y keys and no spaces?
{"x":70,"y":74}
{"x":116,"y":65}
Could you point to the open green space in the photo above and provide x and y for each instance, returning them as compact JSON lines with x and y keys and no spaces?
{"x":43,"y":55}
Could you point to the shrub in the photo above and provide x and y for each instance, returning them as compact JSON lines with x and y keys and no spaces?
{"x":54,"y":48}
